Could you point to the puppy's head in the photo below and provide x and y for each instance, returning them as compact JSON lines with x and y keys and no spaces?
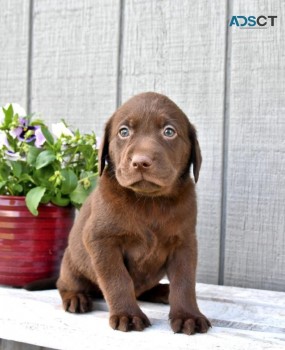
{"x":150,"y":145}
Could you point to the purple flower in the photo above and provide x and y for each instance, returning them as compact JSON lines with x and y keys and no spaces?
{"x":40,"y":139}
{"x":28,"y":133}
{"x":21,"y":131}
{"x":14,"y":156}
{"x":4,"y":140}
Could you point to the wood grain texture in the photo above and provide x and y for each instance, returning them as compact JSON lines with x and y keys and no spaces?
{"x":75,"y":61}
{"x":255,"y":239}
{"x":12,"y":345}
{"x":177,"y":48}
{"x":239,"y":322}
{"x":14,"y":42}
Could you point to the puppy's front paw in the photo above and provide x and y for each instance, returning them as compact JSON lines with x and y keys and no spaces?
{"x":189,"y":324}
{"x":126,"y":322}
{"x":76,"y":302}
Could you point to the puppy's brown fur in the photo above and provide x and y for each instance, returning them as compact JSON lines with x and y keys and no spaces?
{"x":139,"y":223}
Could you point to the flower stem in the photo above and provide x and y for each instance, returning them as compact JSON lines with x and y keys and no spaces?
{"x":88,"y":177}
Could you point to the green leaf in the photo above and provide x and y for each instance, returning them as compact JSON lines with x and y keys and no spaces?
{"x":5,"y":171}
{"x":46,"y":198}
{"x":2,"y":184}
{"x":17,"y":168}
{"x":41,"y":176}
{"x":8,"y":115}
{"x":79,"y":195}
{"x":37,"y":122}
{"x":70,"y":181}
{"x":58,"y":200}
{"x":17,"y":189}
{"x":26,"y":178}
{"x":93,"y":183}
{"x":48,"y":136}
{"x":44,"y":158}
{"x":33,"y":199}
{"x":33,"y":155}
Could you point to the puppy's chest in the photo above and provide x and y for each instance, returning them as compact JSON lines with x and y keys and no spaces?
{"x":149,"y":246}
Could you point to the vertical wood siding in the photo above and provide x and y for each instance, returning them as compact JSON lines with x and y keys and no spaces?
{"x":172,"y":48}
{"x":255,"y":221}
{"x":75,"y":46}
{"x":78,"y":60}
{"x":14,"y":47}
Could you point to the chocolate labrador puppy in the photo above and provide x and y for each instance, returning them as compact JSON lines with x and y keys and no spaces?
{"x":139,"y":223}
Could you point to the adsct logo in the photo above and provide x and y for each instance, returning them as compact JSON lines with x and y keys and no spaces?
{"x":253,"y":22}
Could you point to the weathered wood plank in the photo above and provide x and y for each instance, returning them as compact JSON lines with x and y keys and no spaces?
{"x":75,"y":61}
{"x":255,"y":240}
{"x":37,"y":318}
{"x":12,"y":345}
{"x":177,"y":48}
{"x":14,"y":43}
{"x":241,"y":296}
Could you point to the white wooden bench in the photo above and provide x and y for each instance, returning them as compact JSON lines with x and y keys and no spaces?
{"x":241,"y":319}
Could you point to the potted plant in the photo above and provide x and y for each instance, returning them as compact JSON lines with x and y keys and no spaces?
{"x":44,"y":175}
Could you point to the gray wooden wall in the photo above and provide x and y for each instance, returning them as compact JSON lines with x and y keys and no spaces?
{"x":79,"y":59}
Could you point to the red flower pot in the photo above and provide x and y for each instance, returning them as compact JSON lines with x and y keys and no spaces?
{"x":31,"y":247}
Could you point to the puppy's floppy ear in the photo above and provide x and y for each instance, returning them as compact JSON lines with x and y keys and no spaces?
{"x":195,"y":155}
{"x":104,"y":148}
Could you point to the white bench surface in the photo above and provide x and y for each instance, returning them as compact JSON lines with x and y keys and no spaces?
{"x":241,"y":318}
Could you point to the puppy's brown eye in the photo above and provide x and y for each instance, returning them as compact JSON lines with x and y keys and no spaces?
{"x":124,"y":131}
{"x":169,"y":131}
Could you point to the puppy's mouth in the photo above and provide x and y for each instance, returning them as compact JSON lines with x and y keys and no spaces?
{"x":145,"y":187}
{"x":145,"y":184}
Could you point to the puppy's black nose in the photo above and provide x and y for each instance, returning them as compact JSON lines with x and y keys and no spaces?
{"x":141,"y":162}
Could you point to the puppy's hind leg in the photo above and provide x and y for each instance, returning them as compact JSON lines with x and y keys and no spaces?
{"x":157,"y":294}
